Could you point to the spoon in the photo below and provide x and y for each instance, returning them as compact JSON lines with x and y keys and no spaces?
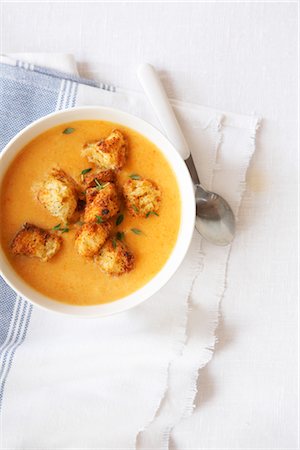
{"x":214,"y":218}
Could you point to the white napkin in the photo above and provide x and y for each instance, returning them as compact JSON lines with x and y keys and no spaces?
{"x":98,"y":383}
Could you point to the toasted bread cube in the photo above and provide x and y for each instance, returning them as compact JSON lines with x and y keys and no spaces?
{"x":35,"y":242}
{"x":59,"y":194}
{"x":91,"y":237}
{"x":102,"y":203}
{"x":142,"y":197}
{"x":92,"y":179}
{"x":115,"y":258}
{"x":109,"y":153}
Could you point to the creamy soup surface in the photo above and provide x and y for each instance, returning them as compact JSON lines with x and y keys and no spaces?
{"x":69,"y":277}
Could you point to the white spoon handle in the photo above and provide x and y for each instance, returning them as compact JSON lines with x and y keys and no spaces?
{"x":157,"y":97}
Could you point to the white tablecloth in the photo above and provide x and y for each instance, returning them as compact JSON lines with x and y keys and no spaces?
{"x":233,"y":56}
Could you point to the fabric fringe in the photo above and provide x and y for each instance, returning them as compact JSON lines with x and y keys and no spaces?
{"x":207,"y":353}
{"x":180,"y":342}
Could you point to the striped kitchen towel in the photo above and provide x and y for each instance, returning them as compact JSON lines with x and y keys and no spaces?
{"x":121,"y":381}
{"x":27,"y":92}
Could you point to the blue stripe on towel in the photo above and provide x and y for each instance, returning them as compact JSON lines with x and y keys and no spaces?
{"x":20,"y":329}
{"x":26,"y":94}
{"x":58,"y":74}
{"x":24,"y":97}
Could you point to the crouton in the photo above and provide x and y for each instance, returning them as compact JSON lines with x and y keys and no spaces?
{"x":115,"y":258}
{"x":109,"y":153}
{"x":59,"y":194}
{"x":142,"y":197}
{"x":91,"y":237}
{"x":102,"y":203}
{"x":92,"y":179}
{"x":35,"y":242}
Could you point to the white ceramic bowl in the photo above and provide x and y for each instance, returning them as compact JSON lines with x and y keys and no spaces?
{"x":187,"y":209}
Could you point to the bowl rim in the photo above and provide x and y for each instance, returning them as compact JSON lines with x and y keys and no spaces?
{"x":186,"y":227}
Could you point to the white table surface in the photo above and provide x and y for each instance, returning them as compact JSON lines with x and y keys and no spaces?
{"x":239,"y":57}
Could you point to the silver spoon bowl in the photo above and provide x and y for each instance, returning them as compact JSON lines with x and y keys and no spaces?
{"x":215,"y":220}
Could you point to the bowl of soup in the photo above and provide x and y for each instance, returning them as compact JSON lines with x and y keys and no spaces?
{"x":97,"y":211}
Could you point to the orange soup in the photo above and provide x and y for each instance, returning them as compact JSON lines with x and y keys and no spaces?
{"x":69,"y":277}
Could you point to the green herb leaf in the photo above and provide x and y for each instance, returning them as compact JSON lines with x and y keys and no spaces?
{"x":58,"y":228}
{"x":99,"y":219}
{"x":119,"y":219}
{"x":151,"y":212}
{"x":134,"y":176}
{"x":135,"y":208}
{"x":136,"y":231}
{"x":68,"y":130}
{"x":114,"y":243}
{"x":84,"y":171}
{"x":120,"y":235}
